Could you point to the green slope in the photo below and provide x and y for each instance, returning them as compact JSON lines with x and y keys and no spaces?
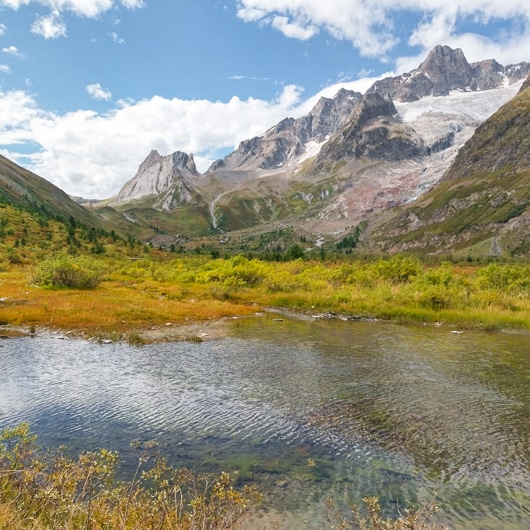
{"x":28,"y":191}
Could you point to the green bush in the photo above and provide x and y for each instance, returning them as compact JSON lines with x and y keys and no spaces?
{"x":68,"y":272}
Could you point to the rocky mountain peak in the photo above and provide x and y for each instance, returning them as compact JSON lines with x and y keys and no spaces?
{"x":447,"y":69}
{"x":372,"y":106}
{"x":444,"y":70}
{"x":373,"y":131}
{"x":171,"y":178}
{"x":288,"y":139}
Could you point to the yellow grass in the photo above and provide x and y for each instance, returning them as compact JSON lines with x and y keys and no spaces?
{"x":112,"y":309}
{"x":135,"y":296}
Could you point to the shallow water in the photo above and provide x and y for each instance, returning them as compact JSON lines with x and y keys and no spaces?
{"x":306,"y":409}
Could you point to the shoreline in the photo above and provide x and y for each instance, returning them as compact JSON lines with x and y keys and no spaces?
{"x":215,"y":328}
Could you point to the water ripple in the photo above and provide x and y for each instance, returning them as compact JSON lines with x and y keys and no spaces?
{"x":345,"y":406}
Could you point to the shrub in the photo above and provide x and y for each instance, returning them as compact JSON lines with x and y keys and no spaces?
{"x":375,"y":519}
{"x":49,"y":490}
{"x":68,"y":272}
{"x":501,"y":276}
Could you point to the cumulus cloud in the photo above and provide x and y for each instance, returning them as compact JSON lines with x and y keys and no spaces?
{"x":85,"y":8}
{"x":49,"y":26}
{"x":12,"y":50}
{"x":369,"y":24}
{"x":96,"y":91}
{"x":52,"y":25}
{"x":112,"y":145}
{"x":5,"y":69}
{"x":296,"y":29}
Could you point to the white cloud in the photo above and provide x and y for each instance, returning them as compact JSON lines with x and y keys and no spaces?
{"x":247,"y":78}
{"x":12,"y":50}
{"x":363,"y":22}
{"x":5,"y":69}
{"x":369,"y":24}
{"x":116,"y":38}
{"x":112,"y":145}
{"x":96,"y":91}
{"x":359,"y":85}
{"x":85,"y":8}
{"x":17,"y":110}
{"x":50,"y":26}
{"x":133,"y":4}
{"x":297,"y":29}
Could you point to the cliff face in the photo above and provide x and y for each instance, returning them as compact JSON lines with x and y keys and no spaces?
{"x":287,"y":141}
{"x":373,"y":131}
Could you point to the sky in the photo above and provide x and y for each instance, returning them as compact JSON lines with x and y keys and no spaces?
{"x":89,"y":87}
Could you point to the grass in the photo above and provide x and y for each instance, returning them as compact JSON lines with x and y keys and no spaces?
{"x":132,"y":297}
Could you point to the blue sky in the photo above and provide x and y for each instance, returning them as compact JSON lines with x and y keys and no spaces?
{"x":89,"y":87}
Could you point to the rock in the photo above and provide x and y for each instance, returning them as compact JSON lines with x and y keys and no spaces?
{"x":373,"y":131}
{"x":287,"y":140}
{"x":171,"y":178}
{"x":444,"y":70}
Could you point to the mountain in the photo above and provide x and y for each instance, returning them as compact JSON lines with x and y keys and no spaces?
{"x":374,"y":131}
{"x":353,"y":159}
{"x":350,"y":158}
{"x":169,"y":180}
{"x":381,"y":154}
{"x":291,"y":139}
{"x":481,"y":206}
{"x":26,"y":190}
{"x":146,"y":205}
{"x":445,"y":70}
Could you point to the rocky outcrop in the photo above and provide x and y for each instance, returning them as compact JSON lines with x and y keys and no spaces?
{"x":287,"y":141}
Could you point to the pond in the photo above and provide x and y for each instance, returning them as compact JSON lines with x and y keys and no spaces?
{"x":306,"y":409}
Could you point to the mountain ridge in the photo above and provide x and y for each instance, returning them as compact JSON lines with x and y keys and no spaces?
{"x":353,"y":159}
